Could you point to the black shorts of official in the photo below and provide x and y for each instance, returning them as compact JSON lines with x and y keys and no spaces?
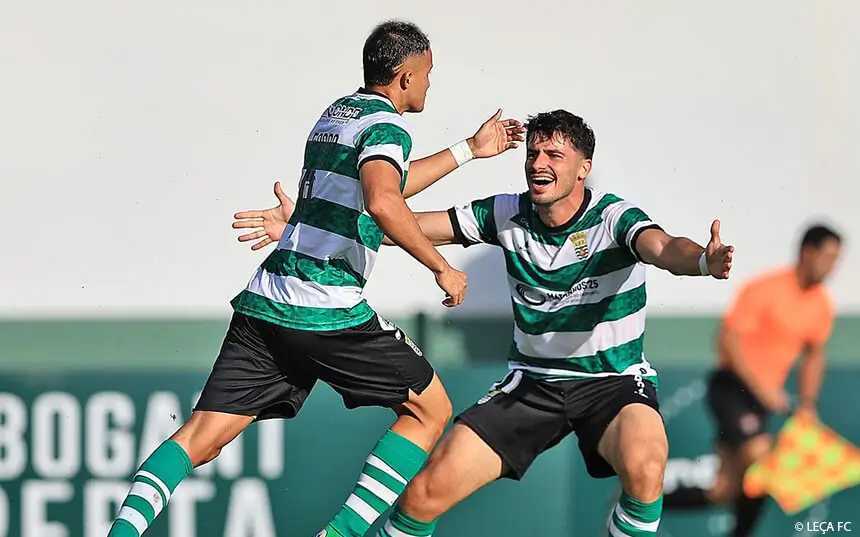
{"x":522,"y":417}
{"x":267,"y":371}
{"x":738,"y":413}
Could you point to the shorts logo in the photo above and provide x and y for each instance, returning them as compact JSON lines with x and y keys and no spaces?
{"x":323,"y":533}
{"x":749,"y":423}
{"x":640,"y":387}
{"x":411,"y":343}
{"x":385,"y":324}
{"x":489,"y":396}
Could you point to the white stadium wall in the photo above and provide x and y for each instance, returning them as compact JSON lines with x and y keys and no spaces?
{"x":130,"y":134}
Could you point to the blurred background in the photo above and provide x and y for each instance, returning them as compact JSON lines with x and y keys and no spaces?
{"x":131,"y":133}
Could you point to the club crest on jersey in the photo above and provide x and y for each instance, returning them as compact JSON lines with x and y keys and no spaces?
{"x":580,"y":244}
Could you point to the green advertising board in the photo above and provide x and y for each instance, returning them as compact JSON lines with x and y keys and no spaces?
{"x":83,"y":402}
{"x":70,"y":442}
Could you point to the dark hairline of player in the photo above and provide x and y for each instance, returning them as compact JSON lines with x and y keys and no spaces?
{"x":565,"y":125}
{"x":387,"y":47}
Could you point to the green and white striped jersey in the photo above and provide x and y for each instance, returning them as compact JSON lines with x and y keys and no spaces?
{"x":578,"y":290}
{"x":314,"y":279}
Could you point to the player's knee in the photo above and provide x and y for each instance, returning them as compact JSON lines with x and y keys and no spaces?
{"x":645,"y":468}
{"x":425,"y":497}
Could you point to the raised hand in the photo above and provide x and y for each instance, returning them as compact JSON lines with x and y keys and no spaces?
{"x":496,"y":136}
{"x":269,"y":224}
{"x":718,"y":255}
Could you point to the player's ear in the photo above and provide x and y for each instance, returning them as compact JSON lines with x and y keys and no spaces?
{"x":584,"y":169}
{"x":405,"y":77}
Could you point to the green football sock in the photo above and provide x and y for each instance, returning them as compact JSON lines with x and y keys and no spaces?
{"x":402,"y":525}
{"x":632,"y":518}
{"x":389,"y":467}
{"x":151,"y":488}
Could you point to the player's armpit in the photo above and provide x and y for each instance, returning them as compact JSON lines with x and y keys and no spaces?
{"x":436,"y":226}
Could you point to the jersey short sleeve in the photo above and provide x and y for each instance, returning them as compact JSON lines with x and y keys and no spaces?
{"x":386,"y":137}
{"x":480,"y":220}
{"x":626,"y":221}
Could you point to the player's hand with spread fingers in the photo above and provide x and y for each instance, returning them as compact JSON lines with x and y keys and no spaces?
{"x":268,"y":224}
{"x":453,"y":282}
{"x":496,"y":136}
{"x":718,"y":255}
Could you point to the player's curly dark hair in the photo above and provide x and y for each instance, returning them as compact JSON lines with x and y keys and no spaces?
{"x":570,"y":127}
{"x":389,"y":45}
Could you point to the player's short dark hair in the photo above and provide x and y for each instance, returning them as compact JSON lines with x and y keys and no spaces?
{"x":562,"y":123}
{"x":817,"y":235}
{"x":389,"y":45}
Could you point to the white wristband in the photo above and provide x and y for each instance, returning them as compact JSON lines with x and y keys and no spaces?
{"x":462,"y":153}
{"x":703,"y":265}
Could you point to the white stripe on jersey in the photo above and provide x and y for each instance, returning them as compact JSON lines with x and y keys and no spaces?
{"x":339,"y":189}
{"x":607,"y":285}
{"x":605,"y":336}
{"x":547,"y":256}
{"x":293,"y":291}
{"x":468,"y":223}
{"x":392,"y":151}
{"x":321,"y":244}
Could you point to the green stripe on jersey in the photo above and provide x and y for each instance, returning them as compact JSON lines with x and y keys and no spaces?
{"x":594,"y":216}
{"x":531,"y":222}
{"x":628,"y":219}
{"x":484,"y":211}
{"x":385,"y":134}
{"x":580,"y":317}
{"x":336,"y":271}
{"x":563,"y":278}
{"x":346,"y":222}
{"x":615,"y":359}
{"x":335,"y":158}
{"x":301,"y":317}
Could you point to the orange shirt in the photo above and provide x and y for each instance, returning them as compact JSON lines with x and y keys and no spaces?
{"x":776,"y":320}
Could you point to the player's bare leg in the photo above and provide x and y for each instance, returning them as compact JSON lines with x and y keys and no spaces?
{"x":197,"y":442}
{"x":636,"y":446}
{"x":460,"y":465}
{"x":395,"y":460}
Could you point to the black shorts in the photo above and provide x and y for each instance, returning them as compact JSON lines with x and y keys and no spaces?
{"x":267,"y":371}
{"x":521,"y":417}
{"x":739,"y":415}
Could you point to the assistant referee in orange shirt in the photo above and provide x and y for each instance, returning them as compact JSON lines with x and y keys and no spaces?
{"x":774,"y":319}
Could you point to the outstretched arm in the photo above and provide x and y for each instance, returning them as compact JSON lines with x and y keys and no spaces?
{"x":683,"y":257}
{"x":494,"y":137}
{"x":435,"y":225}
